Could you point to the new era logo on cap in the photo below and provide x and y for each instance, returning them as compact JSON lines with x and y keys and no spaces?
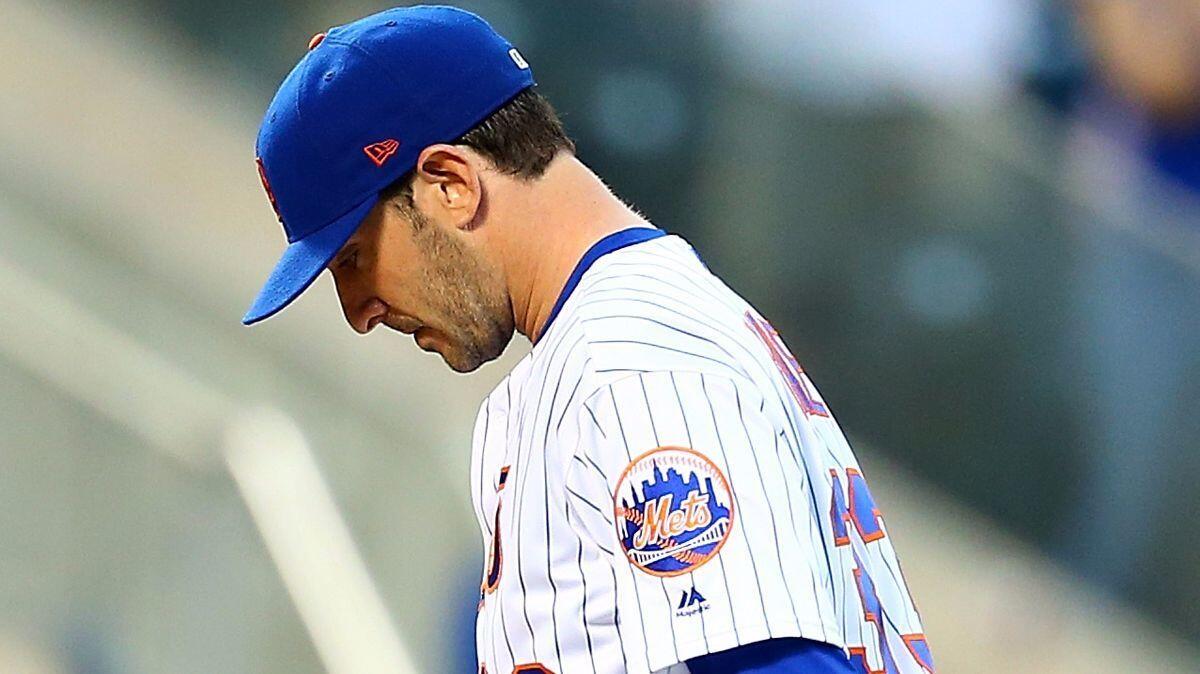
{"x":379,"y":152}
{"x":262,"y":175}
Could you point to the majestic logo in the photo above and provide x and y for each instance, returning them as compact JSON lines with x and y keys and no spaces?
{"x":382,"y":151}
{"x":673,"y":510}
{"x":691,"y":603}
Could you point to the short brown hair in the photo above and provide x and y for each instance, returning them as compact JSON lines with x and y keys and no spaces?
{"x":521,"y":138}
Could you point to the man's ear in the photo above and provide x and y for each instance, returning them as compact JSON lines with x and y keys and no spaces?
{"x":447,"y":184}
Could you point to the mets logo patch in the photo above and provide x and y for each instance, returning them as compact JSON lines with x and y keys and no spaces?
{"x":673,"y":510}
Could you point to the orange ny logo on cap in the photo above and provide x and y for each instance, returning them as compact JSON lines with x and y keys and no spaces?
{"x":262,"y":175}
{"x":381,"y":151}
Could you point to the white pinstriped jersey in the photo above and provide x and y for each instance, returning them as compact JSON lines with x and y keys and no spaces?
{"x":657,"y":479}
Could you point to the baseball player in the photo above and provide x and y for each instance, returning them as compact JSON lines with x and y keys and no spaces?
{"x":658,"y":485}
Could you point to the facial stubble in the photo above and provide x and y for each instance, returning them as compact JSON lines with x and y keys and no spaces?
{"x":468,"y":295}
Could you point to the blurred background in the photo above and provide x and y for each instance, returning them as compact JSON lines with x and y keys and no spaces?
{"x":976,"y":224}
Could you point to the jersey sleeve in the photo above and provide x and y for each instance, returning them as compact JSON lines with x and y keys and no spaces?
{"x":686,"y":485}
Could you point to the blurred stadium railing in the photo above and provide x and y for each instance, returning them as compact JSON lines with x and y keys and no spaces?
{"x":132,"y":230}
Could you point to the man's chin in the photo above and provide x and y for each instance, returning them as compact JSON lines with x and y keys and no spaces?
{"x":461,"y":362}
{"x":460,"y":366}
{"x":468,"y":360}
{"x":462,"y":356}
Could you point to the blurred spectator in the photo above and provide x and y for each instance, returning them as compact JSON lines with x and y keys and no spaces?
{"x":1135,"y":100}
{"x":1147,"y":57}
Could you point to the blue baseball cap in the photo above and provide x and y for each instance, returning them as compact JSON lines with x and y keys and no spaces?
{"x":354,"y":114}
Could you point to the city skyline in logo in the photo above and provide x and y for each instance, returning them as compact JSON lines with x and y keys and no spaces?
{"x":668,"y":523}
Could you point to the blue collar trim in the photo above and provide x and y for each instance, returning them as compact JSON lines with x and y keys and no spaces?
{"x":614,"y":241}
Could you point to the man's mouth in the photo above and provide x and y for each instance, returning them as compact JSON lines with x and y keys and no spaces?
{"x":426,"y":337}
{"x":405,"y":324}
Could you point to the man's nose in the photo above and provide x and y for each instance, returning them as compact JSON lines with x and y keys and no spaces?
{"x":367,"y":315}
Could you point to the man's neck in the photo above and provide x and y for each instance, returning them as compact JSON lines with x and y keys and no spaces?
{"x":555,"y":220}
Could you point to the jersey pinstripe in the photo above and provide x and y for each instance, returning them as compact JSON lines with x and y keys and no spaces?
{"x":658,"y":479}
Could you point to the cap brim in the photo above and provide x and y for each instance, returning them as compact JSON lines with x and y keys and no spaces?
{"x":303,"y":262}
